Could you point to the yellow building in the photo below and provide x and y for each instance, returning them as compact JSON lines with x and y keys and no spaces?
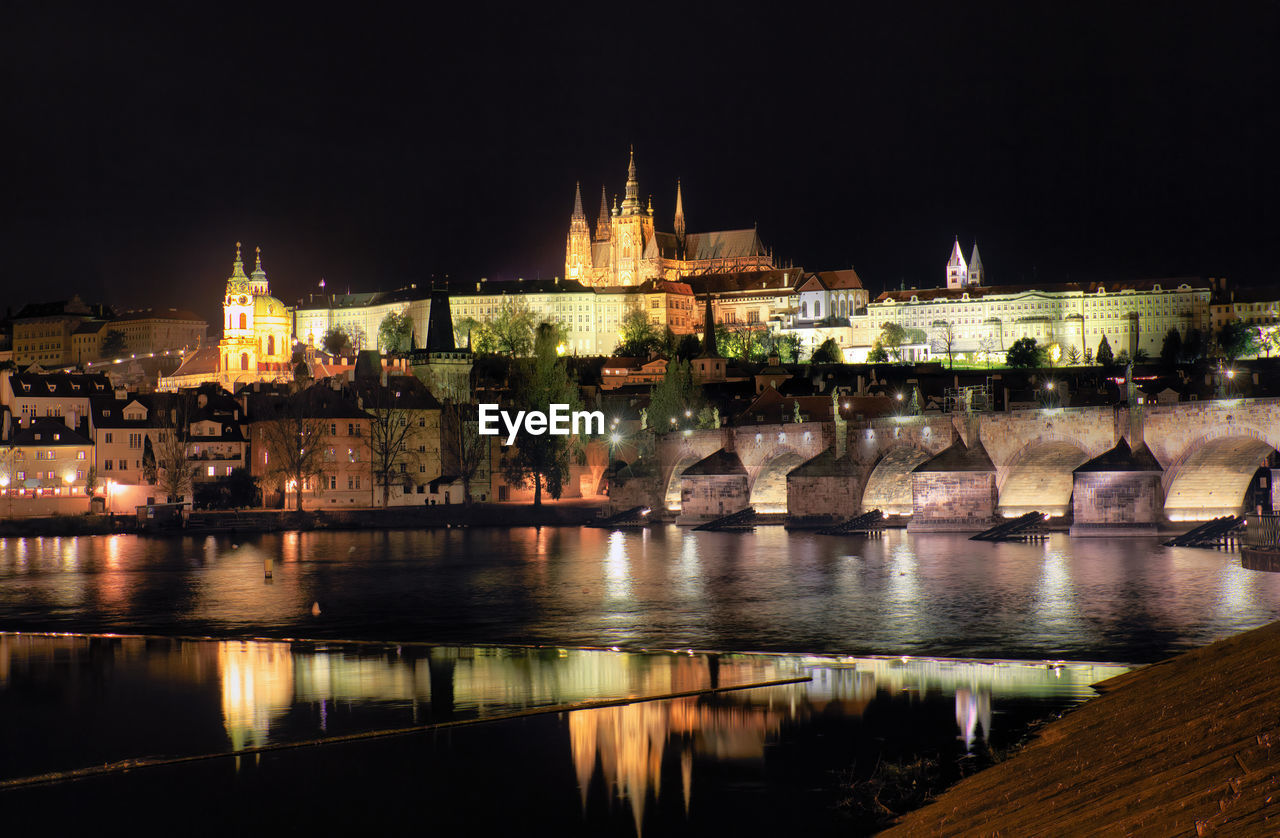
{"x":257,"y":337}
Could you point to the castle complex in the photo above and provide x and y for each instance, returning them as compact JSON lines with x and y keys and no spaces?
{"x":627,"y":249}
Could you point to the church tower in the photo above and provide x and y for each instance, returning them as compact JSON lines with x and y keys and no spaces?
{"x":976,"y":274}
{"x":957,"y":270}
{"x":239,"y":349}
{"x":679,"y":227}
{"x":602,"y":223}
{"x":577,"y":259}
{"x":632,"y":230}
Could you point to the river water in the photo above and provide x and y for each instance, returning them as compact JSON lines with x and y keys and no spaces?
{"x":474,"y":638}
{"x":1127,"y":600}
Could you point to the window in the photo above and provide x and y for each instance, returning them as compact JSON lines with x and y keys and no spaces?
{"x":351,"y":429}
{"x":404,"y":467}
{"x":79,"y":455}
{"x":333,"y":481}
{"x":357,"y":482}
{"x":124,"y":464}
{"x":333,"y":429}
{"x":271,"y":344}
{"x":351,"y":482}
{"x":244,"y":324}
{"x":135,"y":440}
{"x":244,"y":356}
{"x":211,"y":470}
{"x":106,"y":465}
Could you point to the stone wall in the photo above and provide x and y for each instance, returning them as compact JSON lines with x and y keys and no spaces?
{"x":1117,"y":503}
{"x":952,"y":501}
{"x":710,"y":496}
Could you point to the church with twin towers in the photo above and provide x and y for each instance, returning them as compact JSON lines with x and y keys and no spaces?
{"x":626,"y":248}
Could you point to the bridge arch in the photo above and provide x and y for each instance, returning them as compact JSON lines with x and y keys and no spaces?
{"x":671,"y":494}
{"x":888,"y":487}
{"x":769,"y":489}
{"x":1211,"y":476}
{"x":1039,"y":476}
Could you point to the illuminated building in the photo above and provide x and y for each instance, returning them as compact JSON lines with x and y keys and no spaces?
{"x":257,"y":337}
{"x":626,"y":248}
{"x":44,"y":463}
{"x":46,"y":333}
{"x":359,"y":316}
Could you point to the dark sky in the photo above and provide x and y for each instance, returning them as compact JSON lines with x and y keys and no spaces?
{"x":1074,"y":140}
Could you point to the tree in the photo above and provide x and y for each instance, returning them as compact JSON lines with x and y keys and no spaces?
{"x":464,"y":329}
{"x":1105,"y":357}
{"x":392,"y":438}
{"x":542,"y":458}
{"x":464,"y":451}
{"x":395,"y":333}
{"x":676,"y":397}
{"x":878,"y":354}
{"x":688,"y":347}
{"x":892,"y":337}
{"x":987,"y":346}
{"x":944,"y":339}
{"x":638,"y":337}
{"x":1193,"y":347}
{"x":113,"y":344}
{"x":1171,"y":349}
{"x":509,"y":332}
{"x":828,"y":353}
{"x":337,"y":343}
{"x":1024,"y":353}
{"x":1237,"y":340}
{"x":294,"y":440}
{"x":1073,"y":356}
{"x":174,"y":472}
{"x":241,"y":489}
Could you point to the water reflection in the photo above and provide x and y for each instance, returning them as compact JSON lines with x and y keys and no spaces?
{"x":625,"y":748}
{"x":911,"y":594}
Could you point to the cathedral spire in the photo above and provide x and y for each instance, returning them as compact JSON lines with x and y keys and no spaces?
{"x":631,"y":204}
{"x":602,"y":223}
{"x":679,"y":216}
{"x":975,"y":266}
{"x":709,"y":333}
{"x":578,"y":214}
{"x":957,"y":270}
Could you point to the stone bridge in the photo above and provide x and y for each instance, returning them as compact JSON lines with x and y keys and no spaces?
{"x":1209,"y":452}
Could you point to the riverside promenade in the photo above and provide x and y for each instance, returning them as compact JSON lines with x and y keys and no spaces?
{"x":1188,"y":746}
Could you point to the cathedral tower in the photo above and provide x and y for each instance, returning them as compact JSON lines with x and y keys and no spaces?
{"x":632,"y":230}
{"x":602,"y":223}
{"x":957,"y":270}
{"x":577,"y":260}
{"x":976,"y":274}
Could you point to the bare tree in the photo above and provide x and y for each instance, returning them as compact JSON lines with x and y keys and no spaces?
{"x":944,"y":339}
{"x":173,"y":471}
{"x":294,"y":441}
{"x":393,"y":438}
{"x":465,"y":451}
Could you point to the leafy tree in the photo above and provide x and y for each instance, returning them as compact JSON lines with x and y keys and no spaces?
{"x":878,"y":354}
{"x":892,"y":337}
{"x":1237,"y":340}
{"x":745,"y":342}
{"x":1024,"y":353}
{"x":1194,"y":346}
{"x":294,"y":440}
{"x":113,"y":344}
{"x":689,"y":346}
{"x":828,"y":353}
{"x":510,"y":332}
{"x":395,"y":333}
{"x":543,"y":458}
{"x":676,"y":397}
{"x":1105,"y":357}
{"x":944,"y":339}
{"x":639,"y":337}
{"x":465,"y":331}
{"x":1141,"y":356}
{"x":1171,"y":349}
{"x":337,"y":343}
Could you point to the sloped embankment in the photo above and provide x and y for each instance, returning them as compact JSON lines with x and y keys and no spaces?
{"x":1189,"y":746}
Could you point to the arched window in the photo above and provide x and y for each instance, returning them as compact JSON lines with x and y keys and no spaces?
{"x":244,"y":321}
{"x":244,"y":358}
{"x":804,"y":310}
{"x":271,"y":344}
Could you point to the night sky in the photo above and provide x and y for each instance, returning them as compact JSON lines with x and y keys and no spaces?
{"x":374,"y":149}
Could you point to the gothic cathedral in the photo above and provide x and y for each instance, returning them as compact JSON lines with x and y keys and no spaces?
{"x":626,"y":249}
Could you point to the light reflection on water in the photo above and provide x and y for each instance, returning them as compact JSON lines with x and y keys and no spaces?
{"x":1108,"y":599}
{"x":114,"y":696}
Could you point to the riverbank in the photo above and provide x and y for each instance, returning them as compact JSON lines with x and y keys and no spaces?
{"x":561,"y":513}
{"x":1189,"y":746}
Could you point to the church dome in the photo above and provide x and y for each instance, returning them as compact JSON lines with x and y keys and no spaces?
{"x":265,"y":306}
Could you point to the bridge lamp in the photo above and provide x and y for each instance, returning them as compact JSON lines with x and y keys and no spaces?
{"x":615,"y":437}
{"x":1231,"y":373}
{"x":688,"y":414}
{"x":898,"y":397}
{"x":1048,"y":385}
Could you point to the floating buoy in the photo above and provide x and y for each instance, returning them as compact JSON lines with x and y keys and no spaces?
{"x":315,"y":609}
{"x":267,"y":564}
